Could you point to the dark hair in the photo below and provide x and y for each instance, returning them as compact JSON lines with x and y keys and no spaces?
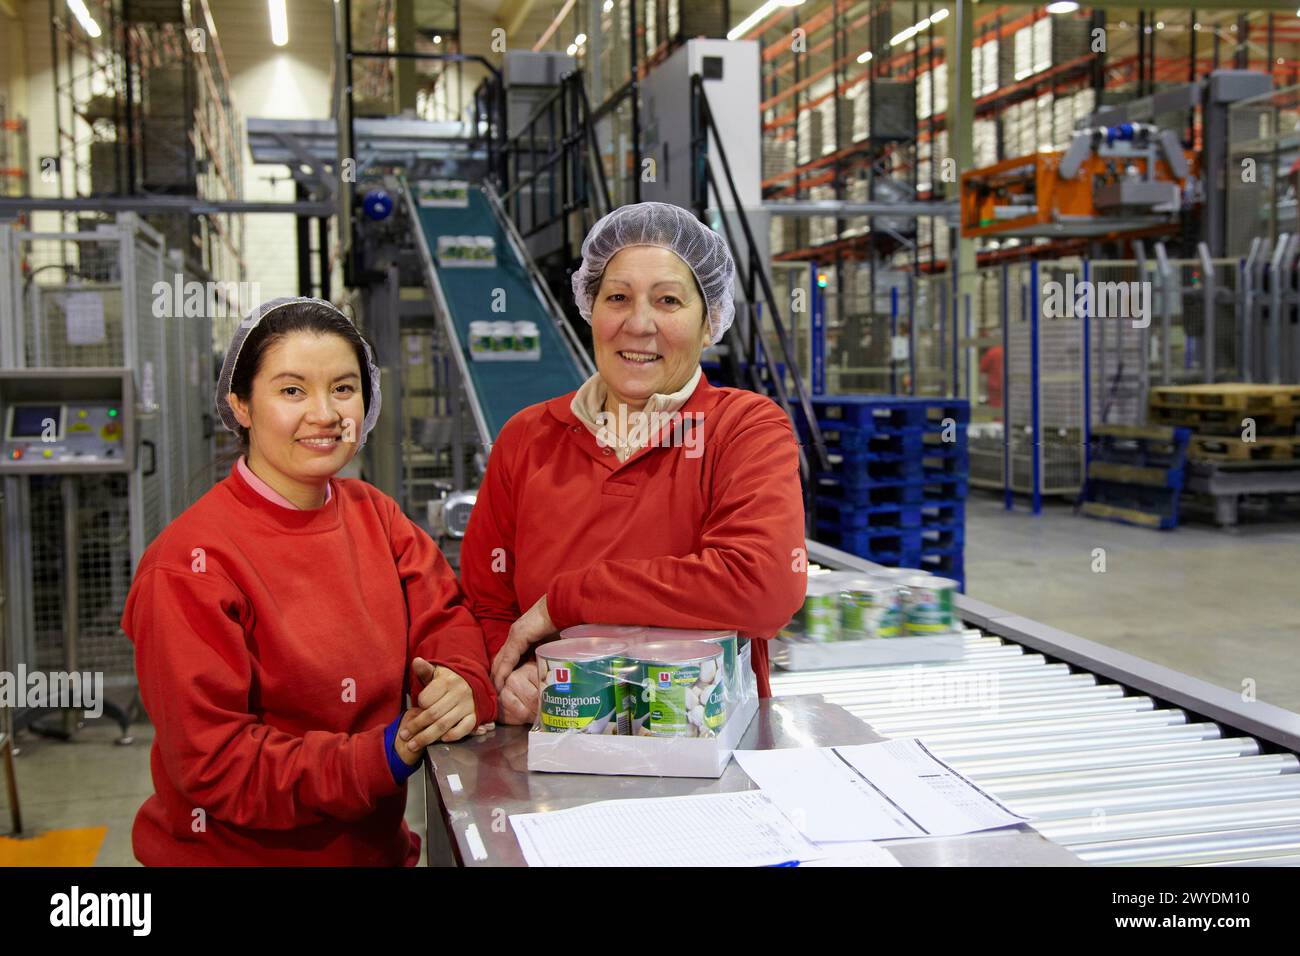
{"x":297,"y":317}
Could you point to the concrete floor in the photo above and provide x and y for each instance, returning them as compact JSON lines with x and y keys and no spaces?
{"x":1215,"y":603}
{"x":1222,"y":605}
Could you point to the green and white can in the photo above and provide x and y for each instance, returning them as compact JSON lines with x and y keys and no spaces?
{"x":727,"y":640}
{"x":821,"y":610}
{"x":685,"y":681}
{"x":503,"y":336}
{"x":928,"y":606}
{"x":627,"y":688}
{"x":579,"y":680}
{"x":480,"y":336}
{"x":526,"y":336}
{"x":869,"y":609}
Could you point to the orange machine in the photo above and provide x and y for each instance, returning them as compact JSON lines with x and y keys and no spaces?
{"x":1108,"y":180}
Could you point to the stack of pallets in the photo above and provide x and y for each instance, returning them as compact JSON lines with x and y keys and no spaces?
{"x":1221,"y":415}
{"x":1136,"y":474}
{"x":896,"y":490}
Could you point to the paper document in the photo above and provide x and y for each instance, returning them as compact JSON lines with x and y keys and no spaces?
{"x":84,"y":312}
{"x":714,"y":829}
{"x":872,"y":792}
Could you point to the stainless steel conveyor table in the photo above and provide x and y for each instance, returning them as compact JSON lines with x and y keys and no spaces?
{"x":473,"y":786}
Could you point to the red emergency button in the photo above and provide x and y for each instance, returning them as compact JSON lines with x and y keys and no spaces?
{"x":16,"y":454}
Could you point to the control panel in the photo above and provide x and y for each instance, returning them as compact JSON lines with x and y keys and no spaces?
{"x":84,"y":432}
{"x":69,"y":421}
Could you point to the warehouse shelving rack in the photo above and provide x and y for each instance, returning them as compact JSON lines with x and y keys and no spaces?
{"x":145,"y":109}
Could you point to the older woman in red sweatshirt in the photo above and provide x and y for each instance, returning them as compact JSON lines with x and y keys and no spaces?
{"x":647,"y":496}
{"x":279,"y":622}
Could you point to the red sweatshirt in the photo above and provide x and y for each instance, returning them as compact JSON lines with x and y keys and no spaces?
{"x":672,"y":537}
{"x":273,"y":648}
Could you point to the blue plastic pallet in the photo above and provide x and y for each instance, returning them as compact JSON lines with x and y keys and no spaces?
{"x":943,"y":537}
{"x":945,"y":489}
{"x":891,"y":411}
{"x":854,"y":517}
{"x":943,"y":513}
{"x":832,"y":489}
{"x":905,"y":441}
{"x":864,"y":474}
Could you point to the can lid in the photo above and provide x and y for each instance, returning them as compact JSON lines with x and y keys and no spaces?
{"x":873,"y":585}
{"x":930,"y":581}
{"x":580,"y":649}
{"x":649,"y":634}
{"x":822,"y":585}
{"x":674,"y":652}
{"x":620,"y":632}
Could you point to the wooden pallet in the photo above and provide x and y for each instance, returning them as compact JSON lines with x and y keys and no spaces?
{"x":1228,"y":396}
{"x":1143,"y":519}
{"x":1220,"y":421}
{"x":1232,"y":448}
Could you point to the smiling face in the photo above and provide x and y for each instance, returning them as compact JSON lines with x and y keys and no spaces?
{"x":306,"y":391}
{"x":648,"y":324}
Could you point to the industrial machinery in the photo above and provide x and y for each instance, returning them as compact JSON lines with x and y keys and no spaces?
{"x":1110,"y":179}
{"x":104,"y":404}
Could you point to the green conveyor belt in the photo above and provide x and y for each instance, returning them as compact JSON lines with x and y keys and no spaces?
{"x":503,"y":388}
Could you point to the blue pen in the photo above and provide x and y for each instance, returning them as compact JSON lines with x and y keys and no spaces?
{"x":786,"y":863}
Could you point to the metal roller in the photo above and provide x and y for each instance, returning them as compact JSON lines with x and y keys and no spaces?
{"x":1111,"y":757}
{"x":1209,"y":793}
{"x":1007,"y":689}
{"x":1002,"y":706}
{"x":919,"y":724}
{"x":1063,"y":725}
{"x":1182,"y":850}
{"x":1074,"y":742}
{"x":1009,"y":786}
{"x":1108,"y":827}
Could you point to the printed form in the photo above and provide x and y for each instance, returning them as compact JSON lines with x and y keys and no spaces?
{"x":877,"y":791}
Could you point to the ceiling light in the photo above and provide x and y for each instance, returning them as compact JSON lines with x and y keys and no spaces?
{"x":78,"y":8}
{"x":279,"y":22}
{"x":1062,"y":6}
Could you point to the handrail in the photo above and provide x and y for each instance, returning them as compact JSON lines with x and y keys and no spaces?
{"x":704,"y":113}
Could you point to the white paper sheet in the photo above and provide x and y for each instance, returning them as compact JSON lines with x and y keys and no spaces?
{"x":877,"y":791}
{"x":84,"y":312}
{"x":716,"y":829}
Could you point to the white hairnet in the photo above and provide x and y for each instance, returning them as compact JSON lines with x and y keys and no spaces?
{"x":372,"y":400}
{"x":669,"y":227}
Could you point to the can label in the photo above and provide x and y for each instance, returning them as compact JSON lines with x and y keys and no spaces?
{"x":682,"y":703}
{"x":929,"y":611}
{"x":731,"y":676}
{"x":822,"y":617}
{"x":871,"y":614}
{"x":578,"y":696}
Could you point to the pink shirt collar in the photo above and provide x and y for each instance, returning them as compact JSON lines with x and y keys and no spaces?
{"x":269,"y":493}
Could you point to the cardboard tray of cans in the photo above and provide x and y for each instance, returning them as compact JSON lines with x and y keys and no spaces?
{"x":442,"y":193}
{"x":478,"y":252}
{"x":650,"y":756}
{"x":797,"y":654}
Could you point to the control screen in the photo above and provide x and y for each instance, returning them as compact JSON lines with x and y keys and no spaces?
{"x":27,"y":423}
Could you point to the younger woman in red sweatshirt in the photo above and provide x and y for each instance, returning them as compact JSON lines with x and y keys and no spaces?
{"x":280,"y":620}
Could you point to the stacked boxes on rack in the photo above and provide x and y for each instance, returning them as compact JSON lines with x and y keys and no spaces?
{"x":896,"y":490}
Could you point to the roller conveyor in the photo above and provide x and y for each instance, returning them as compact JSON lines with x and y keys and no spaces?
{"x":1122,"y":762}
